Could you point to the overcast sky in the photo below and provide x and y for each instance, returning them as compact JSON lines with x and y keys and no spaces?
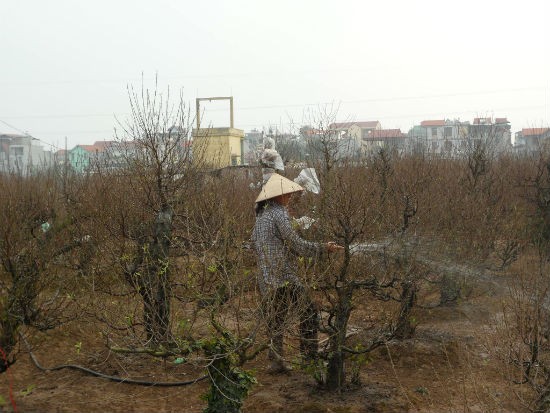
{"x":65,"y":65}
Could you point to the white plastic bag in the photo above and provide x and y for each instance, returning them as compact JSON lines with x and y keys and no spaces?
{"x":308,"y":179}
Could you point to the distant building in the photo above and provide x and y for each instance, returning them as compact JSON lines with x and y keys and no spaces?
{"x":442,"y":137}
{"x":23,"y":155}
{"x":532,"y":139}
{"x":494,"y":133}
{"x":452,"y":138}
{"x":80,"y":157}
{"x":111,"y":154}
{"x":348,"y":148}
{"x":61,"y":157}
{"x":218,"y":147}
{"x":252,"y":146}
{"x":359,"y":131}
{"x":384,"y":139}
{"x":83,"y":158}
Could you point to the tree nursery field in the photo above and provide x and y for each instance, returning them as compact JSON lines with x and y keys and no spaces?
{"x":133,"y":286}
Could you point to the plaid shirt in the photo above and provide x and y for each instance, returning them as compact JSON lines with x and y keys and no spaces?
{"x":277,"y":246}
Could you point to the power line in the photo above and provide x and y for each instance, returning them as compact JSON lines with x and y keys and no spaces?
{"x":29,"y":135}
{"x":393,"y":99}
{"x":266,"y":73}
{"x":83,"y":115}
{"x":261,"y":124}
{"x":288,"y":106}
{"x":291,"y":105}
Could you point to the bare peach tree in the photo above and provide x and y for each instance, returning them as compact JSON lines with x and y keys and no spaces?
{"x":525,"y":322}
{"x":369,"y":207}
{"x":475,"y":208}
{"x":167,"y":279}
{"x":146,"y":175}
{"x":36,"y":237}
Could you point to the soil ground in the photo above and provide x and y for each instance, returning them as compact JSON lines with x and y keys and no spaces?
{"x":448,"y":366}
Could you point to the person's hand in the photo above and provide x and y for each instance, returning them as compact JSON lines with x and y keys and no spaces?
{"x":334,"y":247}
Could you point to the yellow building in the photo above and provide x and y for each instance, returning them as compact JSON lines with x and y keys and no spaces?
{"x":218,"y":147}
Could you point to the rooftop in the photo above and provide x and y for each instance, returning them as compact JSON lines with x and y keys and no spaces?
{"x":439,"y":122}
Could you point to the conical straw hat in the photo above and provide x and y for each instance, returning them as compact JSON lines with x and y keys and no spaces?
{"x":277,"y":185}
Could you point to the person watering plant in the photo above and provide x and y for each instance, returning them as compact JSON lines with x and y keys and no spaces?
{"x":277,"y":246}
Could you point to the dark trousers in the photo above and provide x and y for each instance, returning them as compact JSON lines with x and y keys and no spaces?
{"x":277,"y":304}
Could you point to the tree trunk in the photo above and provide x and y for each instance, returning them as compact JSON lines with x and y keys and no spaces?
{"x":20,"y":306}
{"x":157,"y":291}
{"x":336,"y":374}
{"x":8,"y":326}
{"x":405,"y":326}
{"x":542,"y":405}
{"x":229,"y":385}
{"x":449,"y":290}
